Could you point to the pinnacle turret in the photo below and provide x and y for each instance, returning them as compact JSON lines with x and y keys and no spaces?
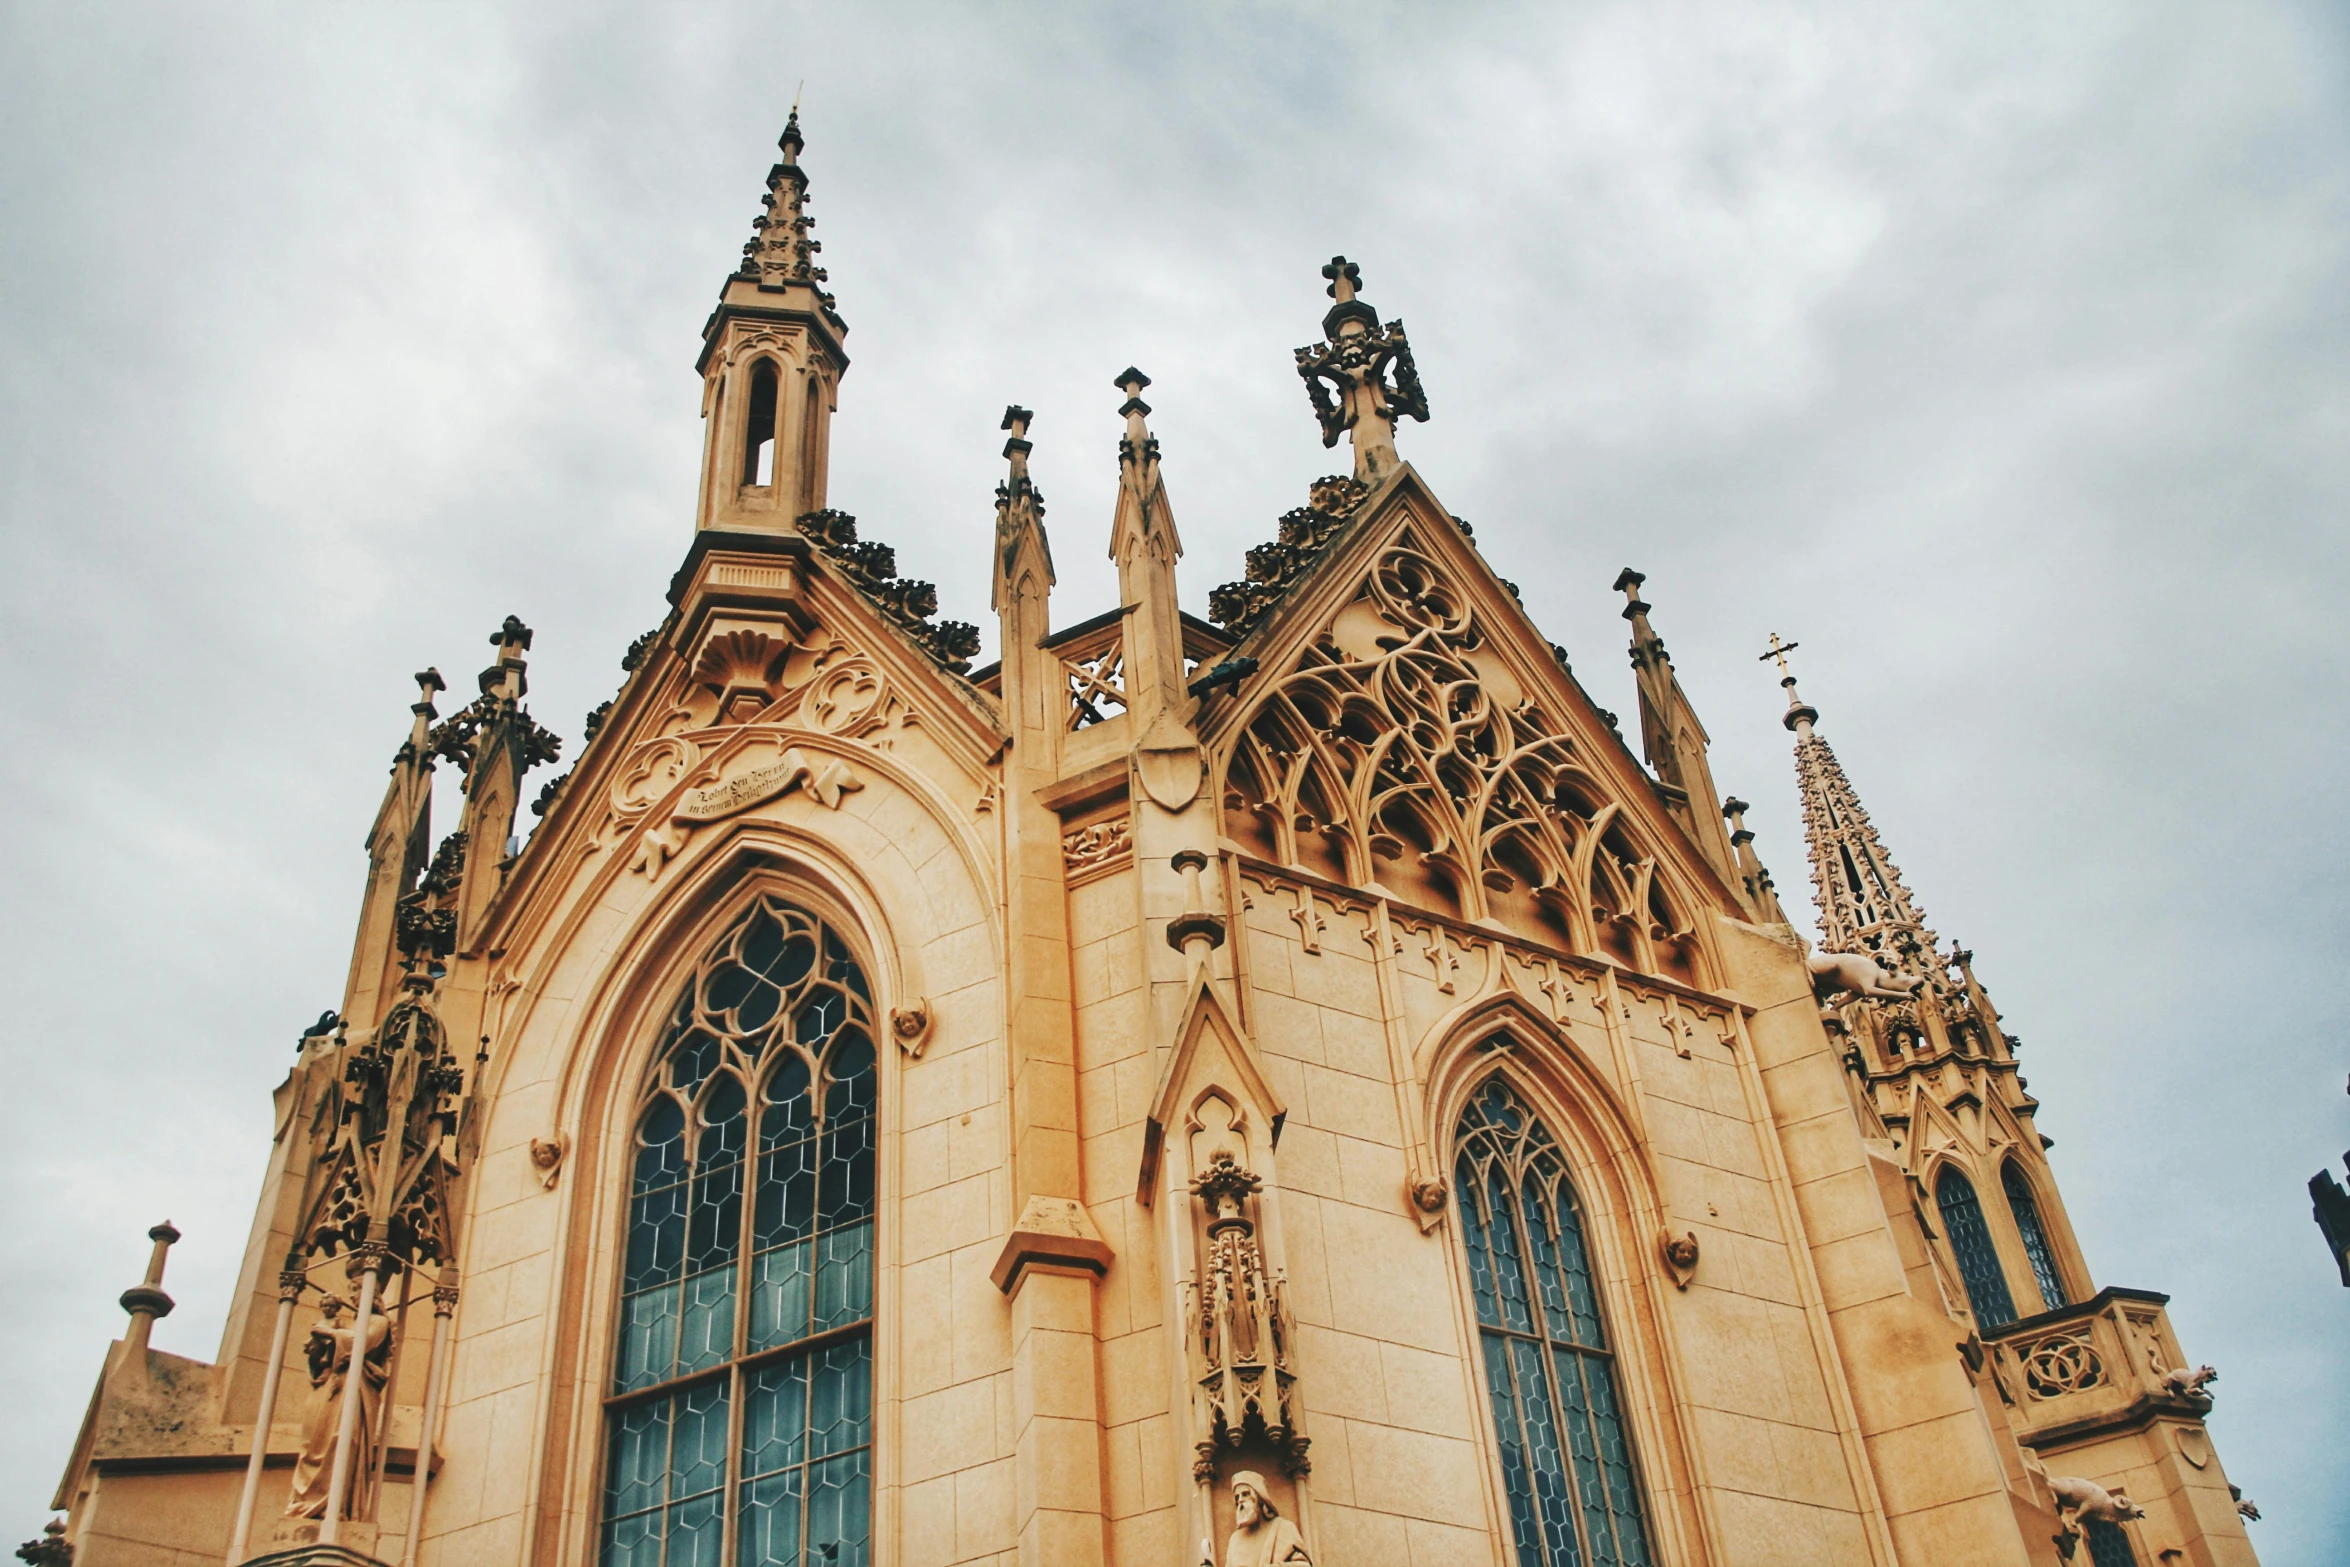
{"x":1021,"y":546}
{"x":781,"y":251}
{"x":1864,"y":906}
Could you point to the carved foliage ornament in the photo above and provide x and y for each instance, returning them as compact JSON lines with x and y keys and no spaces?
{"x":907,"y":603}
{"x":388,"y":1123}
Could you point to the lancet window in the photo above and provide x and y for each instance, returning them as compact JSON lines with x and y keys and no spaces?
{"x":2026,"y":1209}
{"x":740,"y":1413}
{"x":1566,"y":1460}
{"x":1970,"y":1242}
{"x":759,"y":425}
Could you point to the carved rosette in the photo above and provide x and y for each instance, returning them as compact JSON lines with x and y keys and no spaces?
{"x":1241,"y":1333}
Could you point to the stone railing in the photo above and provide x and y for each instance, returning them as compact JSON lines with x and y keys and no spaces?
{"x":2102,"y":1362}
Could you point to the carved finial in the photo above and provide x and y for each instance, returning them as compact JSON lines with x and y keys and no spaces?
{"x":1361,"y":379}
{"x":146,"y":1301}
{"x":1346,"y":279}
{"x":1019,"y":512}
{"x":1139,"y":446}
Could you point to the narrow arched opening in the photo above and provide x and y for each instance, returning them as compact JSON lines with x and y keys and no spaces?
{"x":759,"y":426}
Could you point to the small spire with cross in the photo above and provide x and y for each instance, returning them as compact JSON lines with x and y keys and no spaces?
{"x":1801,"y":715}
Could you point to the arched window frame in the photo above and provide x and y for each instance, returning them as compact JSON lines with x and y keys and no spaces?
{"x":1974,"y":1248}
{"x":752,"y":440}
{"x":1619,"y":1345}
{"x":838,"y":1345}
{"x":2032,"y":1229}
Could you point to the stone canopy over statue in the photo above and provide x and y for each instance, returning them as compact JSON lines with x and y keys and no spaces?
{"x":1260,"y":1536}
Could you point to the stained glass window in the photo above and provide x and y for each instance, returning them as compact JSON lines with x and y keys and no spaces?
{"x":1978,"y":1259}
{"x":2108,"y":1545}
{"x":2035,"y":1234}
{"x":741,"y":1411}
{"x":1574,"y":1491}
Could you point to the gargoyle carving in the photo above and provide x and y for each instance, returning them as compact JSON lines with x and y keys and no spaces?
{"x":1855,"y":974}
{"x":1680,"y":1254}
{"x":2081,"y":1501}
{"x":2188,"y":1383}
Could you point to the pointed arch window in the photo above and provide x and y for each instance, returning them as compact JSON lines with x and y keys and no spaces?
{"x":1574,"y":1491}
{"x":1970,"y":1241}
{"x":759,"y":425}
{"x":2026,"y":1209}
{"x":740,"y":1413}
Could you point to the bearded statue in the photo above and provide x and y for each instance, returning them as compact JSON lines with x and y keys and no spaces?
{"x":1260,"y":1536}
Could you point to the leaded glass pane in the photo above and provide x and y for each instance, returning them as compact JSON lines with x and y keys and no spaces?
{"x":1566,"y":1461}
{"x":777,"y":1230}
{"x":1508,"y":1421}
{"x":1970,"y":1242}
{"x":2108,"y":1546}
{"x":2036,"y":1247}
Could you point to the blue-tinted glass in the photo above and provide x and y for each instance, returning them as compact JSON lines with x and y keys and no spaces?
{"x":1978,"y":1259}
{"x":2108,"y":1546}
{"x":839,"y":1509}
{"x":1508,"y":1421}
{"x":1509,"y":1273}
{"x":2036,"y":1247}
{"x":648,"y":1336}
{"x":1470,"y":1207}
{"x":697,"y":1532}
{"x":1566,"y":1461}
{"x":778,"y":994}
{"x":1583,"y":1446}
{"x":1543,"y":1457}
{"x":840,"y":1398}
{"x":1615,"y":1458}
{"x":780,"y":1295}
{"x":634,"y":1481}
{"x":1547,"y":1273}
{"x":775,"y":1417}
{"x":844,"y":1276}
{"x":769,"y":1528}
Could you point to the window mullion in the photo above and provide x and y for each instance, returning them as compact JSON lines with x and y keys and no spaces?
{"x":729,"y":1498}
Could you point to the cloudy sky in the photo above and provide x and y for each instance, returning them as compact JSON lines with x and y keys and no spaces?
{"x":1995,"y":351}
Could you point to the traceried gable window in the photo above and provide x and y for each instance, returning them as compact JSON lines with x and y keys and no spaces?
{"x":1574,"y":1494}
{"x":740,"y":1412}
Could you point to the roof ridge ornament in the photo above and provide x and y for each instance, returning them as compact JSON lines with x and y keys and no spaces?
{"x":1362,"y":378}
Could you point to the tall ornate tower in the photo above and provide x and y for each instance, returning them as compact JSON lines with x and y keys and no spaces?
{"x":2077,"y":1379}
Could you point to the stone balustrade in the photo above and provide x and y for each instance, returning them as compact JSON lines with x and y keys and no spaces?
{"x":2087,"y":1367}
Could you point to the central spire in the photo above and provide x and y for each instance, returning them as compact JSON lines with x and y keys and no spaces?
{"x":1347,"y":376}
{"x":771,"y":366}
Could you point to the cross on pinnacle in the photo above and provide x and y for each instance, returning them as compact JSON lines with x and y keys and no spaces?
{"x":1778,"y":651}
{"x":1345,"y":279}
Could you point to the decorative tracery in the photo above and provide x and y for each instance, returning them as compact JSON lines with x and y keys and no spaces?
{"x":748,"y":1276}
{"x":1567,"y":1465}
{"x":1398,"y":739}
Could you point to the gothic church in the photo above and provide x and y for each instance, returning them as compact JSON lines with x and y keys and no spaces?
{"x":1297,"y":1087}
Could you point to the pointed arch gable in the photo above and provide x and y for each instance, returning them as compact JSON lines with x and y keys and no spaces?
{"x":1207,"y":1024}
{"x":1410,"y":725}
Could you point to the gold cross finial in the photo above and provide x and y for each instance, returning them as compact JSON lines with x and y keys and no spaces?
{"x":1777,"y":652}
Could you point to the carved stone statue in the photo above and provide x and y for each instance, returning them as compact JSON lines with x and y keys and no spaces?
{"x":329,"y":1354}
{"x":1260,"y":1536}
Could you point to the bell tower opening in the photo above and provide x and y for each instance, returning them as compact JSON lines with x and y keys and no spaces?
{"x":759,"y":427}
